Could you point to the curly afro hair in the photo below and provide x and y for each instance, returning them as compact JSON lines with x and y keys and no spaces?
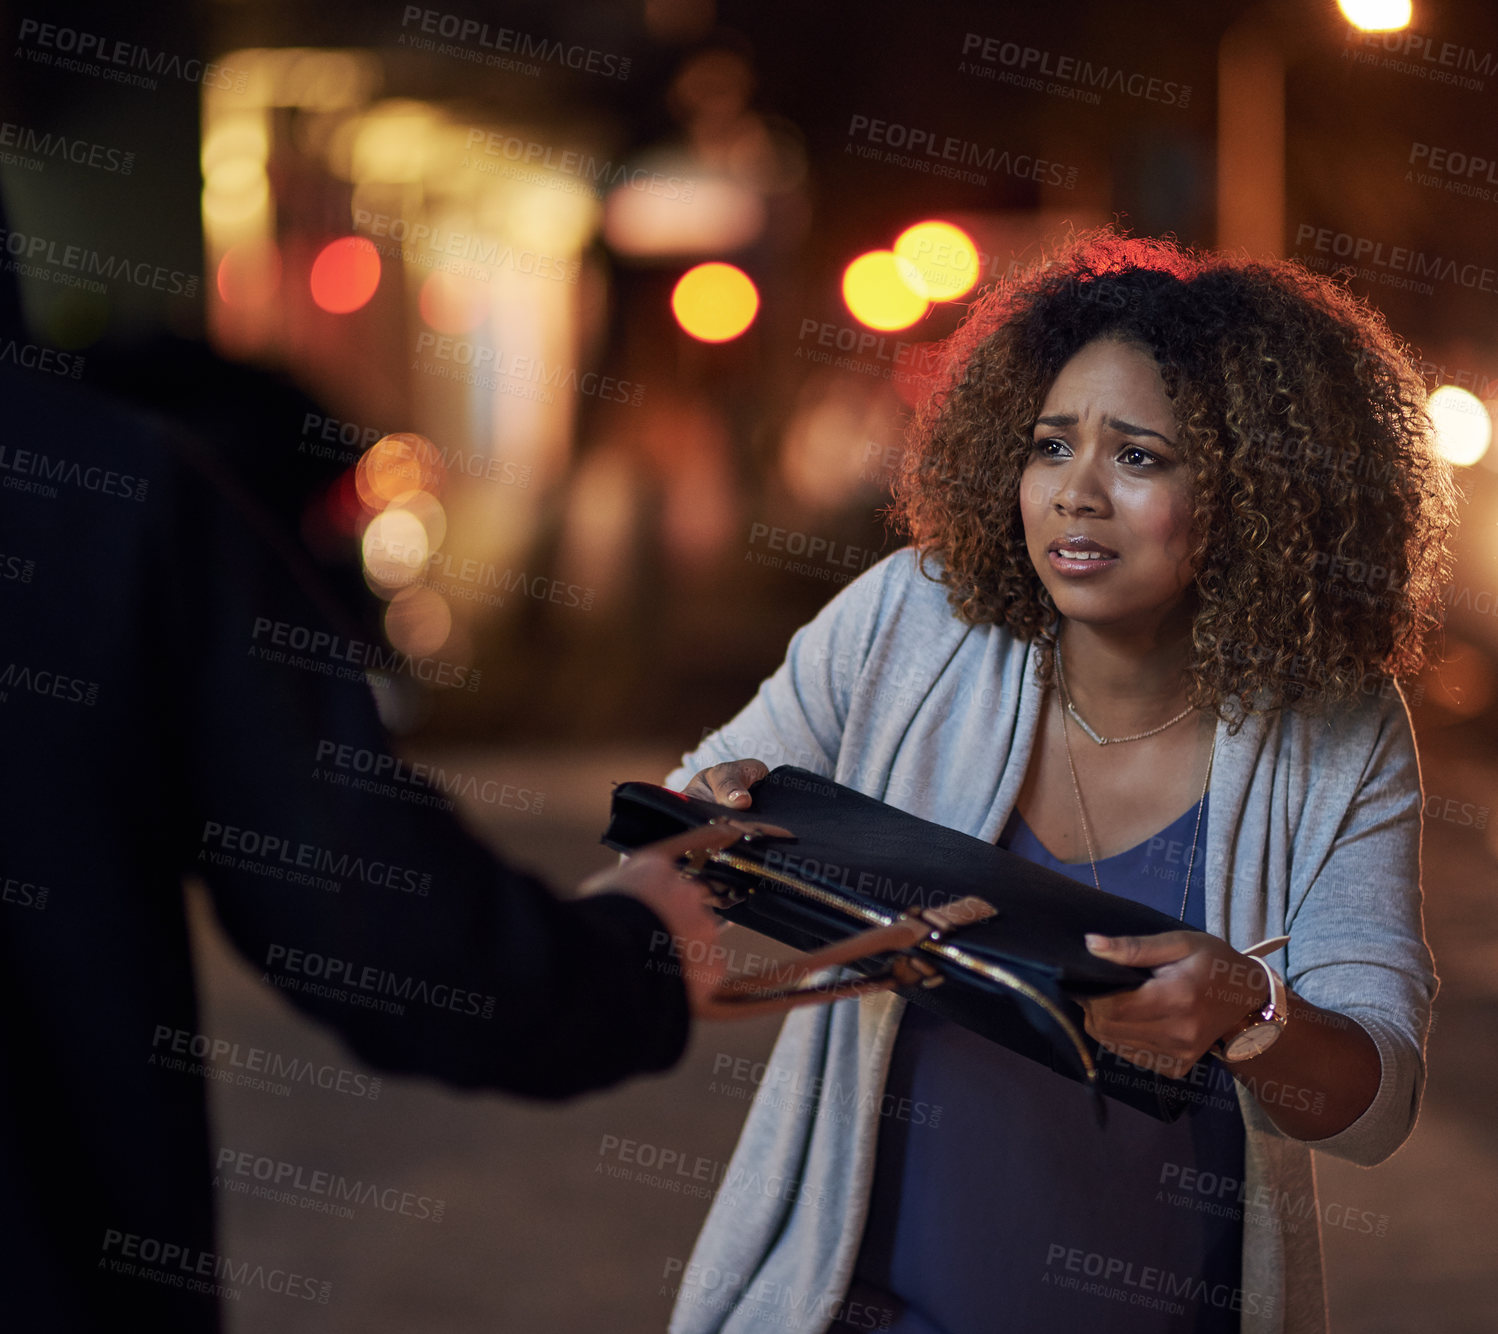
{"x":1322,"y":511}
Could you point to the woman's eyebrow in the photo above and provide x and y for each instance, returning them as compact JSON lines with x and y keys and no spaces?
{"x":1128,"y":428}
{"x":1115,"y":423}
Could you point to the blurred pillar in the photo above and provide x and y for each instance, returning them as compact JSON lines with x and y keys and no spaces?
{"x":1251,"y":139}
{"x":1251,"y":61}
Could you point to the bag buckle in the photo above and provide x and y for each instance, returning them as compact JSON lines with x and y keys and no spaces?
{"x":751,"y":995}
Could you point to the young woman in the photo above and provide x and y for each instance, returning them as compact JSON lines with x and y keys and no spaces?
{"x":1177,"y":530}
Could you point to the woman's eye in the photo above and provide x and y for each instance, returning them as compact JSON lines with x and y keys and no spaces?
{"x":1048,"y":448}
{"x":1134,"y":457}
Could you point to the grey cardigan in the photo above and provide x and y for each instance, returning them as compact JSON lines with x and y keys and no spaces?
{"x":1315,"y":833}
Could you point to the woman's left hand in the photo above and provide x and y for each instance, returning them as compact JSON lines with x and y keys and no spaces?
{"x":1201,"y":989}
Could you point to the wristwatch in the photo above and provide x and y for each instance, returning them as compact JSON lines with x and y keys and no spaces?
{"x":1261,"y":1030}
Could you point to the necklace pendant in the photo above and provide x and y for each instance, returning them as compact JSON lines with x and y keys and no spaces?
{"x":1086,"y":727}
{"x":1076,"y":787}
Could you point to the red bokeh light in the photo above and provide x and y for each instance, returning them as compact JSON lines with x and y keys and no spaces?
{"x":345,"y":274}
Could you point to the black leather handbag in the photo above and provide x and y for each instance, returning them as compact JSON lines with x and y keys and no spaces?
{"x":883,"y":900}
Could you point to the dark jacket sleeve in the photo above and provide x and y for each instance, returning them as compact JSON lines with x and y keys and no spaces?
{"x":367,"y":903}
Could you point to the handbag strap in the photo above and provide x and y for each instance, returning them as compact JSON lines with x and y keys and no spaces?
{"x":787,"y":985}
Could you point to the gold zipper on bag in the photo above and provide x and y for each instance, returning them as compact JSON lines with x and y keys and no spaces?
{"x":814,"y":892}
{"x":994,"y":972}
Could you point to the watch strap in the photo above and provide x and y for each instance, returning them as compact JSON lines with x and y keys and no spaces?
{"x":1278,"y":1001}
{"x":1275,"y":1009}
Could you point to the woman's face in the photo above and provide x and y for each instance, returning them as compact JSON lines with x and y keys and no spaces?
{"x":1105,"y":498}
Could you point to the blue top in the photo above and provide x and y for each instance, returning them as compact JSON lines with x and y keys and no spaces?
{"x":1009,"y":1209}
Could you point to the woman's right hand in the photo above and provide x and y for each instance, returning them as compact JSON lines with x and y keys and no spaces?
{"x":728,"y":783}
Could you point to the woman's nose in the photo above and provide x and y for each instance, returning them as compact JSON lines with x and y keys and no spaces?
{"x":1079,"y":491}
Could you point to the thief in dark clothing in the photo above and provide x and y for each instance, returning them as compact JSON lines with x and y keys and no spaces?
{"x":169,"y":671}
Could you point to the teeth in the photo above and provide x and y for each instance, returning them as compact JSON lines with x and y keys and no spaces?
{"x":1081,"y":555}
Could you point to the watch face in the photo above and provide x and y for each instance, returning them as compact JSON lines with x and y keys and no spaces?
{"x":1249,"y":1043}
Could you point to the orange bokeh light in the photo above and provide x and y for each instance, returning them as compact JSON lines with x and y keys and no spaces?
{"x":249,"y":274}
{"x":345,"y":274}
{"x":945,"y":258}
{"x":396,"y":465}
{"x":880,"y":290}
{"x":715,"y":302}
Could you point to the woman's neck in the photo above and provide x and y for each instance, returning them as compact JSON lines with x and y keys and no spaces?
{"x":1124,"y":681}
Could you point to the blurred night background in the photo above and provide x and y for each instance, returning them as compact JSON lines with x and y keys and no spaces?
{"x":439,"y":298}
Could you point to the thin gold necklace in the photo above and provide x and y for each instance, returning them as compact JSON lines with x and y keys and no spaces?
{"x":1087,"y":831}
{"x":1083,"y":724}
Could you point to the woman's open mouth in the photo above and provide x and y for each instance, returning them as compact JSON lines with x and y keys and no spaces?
{"x":1080,"y":555}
